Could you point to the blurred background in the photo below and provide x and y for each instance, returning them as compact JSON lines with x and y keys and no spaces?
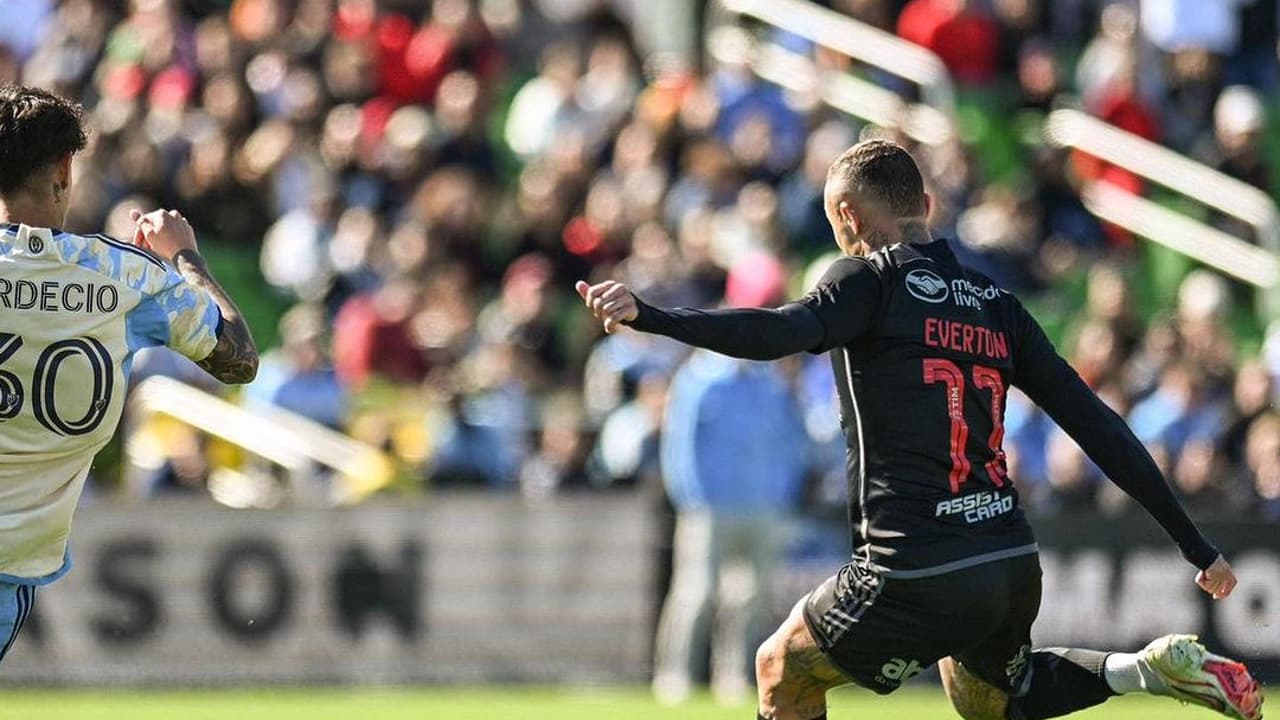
{"x":446,"y":473}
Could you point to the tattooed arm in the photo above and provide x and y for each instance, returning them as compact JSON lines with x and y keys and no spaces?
{"x":234,"y":359}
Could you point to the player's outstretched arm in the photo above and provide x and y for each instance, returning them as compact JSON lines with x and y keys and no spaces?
{"x":234,"y":358}
{"x":843,"y":306}
{"x":748,"y":333}
{"x":1105,"y":437}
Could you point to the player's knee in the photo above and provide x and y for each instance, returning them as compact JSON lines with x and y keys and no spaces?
{"x":778,"y":692}
{"x":769,"y":675}
{"x":769,"y":663}
{"x":790,"y":684}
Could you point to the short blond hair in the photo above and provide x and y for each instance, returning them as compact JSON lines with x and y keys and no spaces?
{"x":883,"y":172}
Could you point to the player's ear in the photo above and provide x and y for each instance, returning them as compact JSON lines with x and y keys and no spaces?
{"x":849,"y":217}
{"x":63,"y":171}
{"x":928,"y":205}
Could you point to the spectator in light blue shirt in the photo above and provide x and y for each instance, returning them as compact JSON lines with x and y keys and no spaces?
{"x":299,"y":376}
{"x":734,"y":441}
{"x":1179,"y":409}
{"x":734,"y":455}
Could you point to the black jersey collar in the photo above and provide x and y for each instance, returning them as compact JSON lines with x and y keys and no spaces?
{"x":938,"y":250}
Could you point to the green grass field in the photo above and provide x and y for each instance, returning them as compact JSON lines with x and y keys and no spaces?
{"x":487,"y":704}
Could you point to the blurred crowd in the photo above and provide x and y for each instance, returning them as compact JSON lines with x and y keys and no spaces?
{"x":1205,"y":412}
{"x":422,"y":182}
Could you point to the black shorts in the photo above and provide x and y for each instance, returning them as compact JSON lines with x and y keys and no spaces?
{"x":882,"y":631}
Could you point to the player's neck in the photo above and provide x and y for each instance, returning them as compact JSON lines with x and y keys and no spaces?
{"x":915,"y":232}
{"x":21,"y":208}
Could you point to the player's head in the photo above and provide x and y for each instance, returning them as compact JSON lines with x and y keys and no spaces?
{"x":873,"y":192}
{"x":39,"y":133}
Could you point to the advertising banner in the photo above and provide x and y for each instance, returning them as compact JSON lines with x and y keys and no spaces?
{"x":459,"y":588}
{"x":484,"y":588}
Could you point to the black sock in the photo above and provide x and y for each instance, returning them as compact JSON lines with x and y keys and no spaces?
{"x":1063,"y":680}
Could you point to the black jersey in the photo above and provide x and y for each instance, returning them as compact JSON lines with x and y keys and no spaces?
{"x":924,"y":351}
{"x":922,"y":394}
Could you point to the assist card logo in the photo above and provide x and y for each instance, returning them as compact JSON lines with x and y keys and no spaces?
{"x":927,"y":286}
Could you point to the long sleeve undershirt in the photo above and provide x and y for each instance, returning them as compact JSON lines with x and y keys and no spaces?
{"x":840,"y":309}
{"x":748,"y":333}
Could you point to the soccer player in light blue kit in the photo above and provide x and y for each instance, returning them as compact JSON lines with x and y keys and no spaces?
{"x":73,"y":310}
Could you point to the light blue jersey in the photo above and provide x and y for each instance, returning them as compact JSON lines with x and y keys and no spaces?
{"x":73,"y":311}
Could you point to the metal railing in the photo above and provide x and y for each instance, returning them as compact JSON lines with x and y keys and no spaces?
{"x":853,"y":39}
{"x":1257,"y":265}
{"x":299,"y":446}
{"x":930,"y":122}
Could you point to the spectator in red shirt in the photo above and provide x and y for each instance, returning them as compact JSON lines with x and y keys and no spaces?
{"x":1125,"y":110}
{"x":372,"y":336}
{"x":966,"y":40}
{"x":1118,"y":102}
{"x":413,"y":61}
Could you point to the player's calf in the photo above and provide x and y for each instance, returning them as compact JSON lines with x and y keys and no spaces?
{"x":792,"y":674}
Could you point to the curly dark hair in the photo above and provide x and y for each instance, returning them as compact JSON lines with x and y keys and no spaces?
{"x":882,"y":171}
{"x":36,"y":129}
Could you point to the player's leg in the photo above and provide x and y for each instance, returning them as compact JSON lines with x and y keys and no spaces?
{"x":971,"y":696}
{"x":16,"y":602}
{"x":1064,"y":680}
{"x":1000,"y":678}
{"x":1060,"y":681}
{"x":792,"y":674}
{"x":684,"y":623}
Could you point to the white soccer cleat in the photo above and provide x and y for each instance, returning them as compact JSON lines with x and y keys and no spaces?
{"x":1180,"y":667}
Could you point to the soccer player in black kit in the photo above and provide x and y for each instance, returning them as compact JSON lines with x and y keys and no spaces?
{"x":945,"y":566}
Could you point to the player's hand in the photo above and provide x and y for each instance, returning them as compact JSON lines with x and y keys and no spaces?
{"x":165,"y":232}
{"x":1218,"y":580}
{"x":610,"y":301}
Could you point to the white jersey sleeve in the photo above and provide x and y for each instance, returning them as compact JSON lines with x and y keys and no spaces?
{"x":175,"y":313}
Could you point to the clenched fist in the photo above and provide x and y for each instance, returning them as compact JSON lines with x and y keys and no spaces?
{"x":165,"y":232}
{"x":610,"y":301}
{"x":1218,"y":579}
